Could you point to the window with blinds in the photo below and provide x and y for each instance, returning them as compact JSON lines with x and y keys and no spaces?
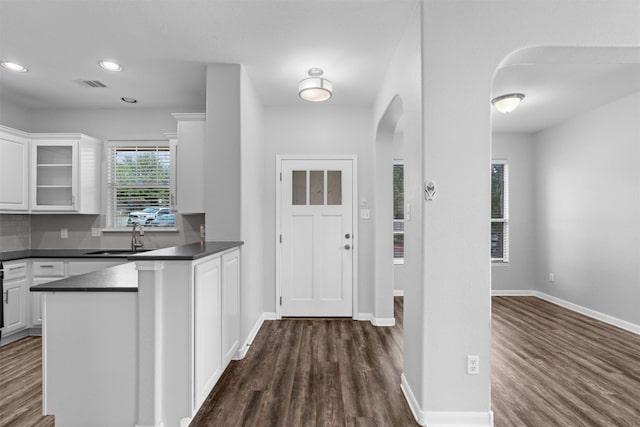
{"x":398,"y":212}
{"x":139,"y":181}
{"x":499,"y":211}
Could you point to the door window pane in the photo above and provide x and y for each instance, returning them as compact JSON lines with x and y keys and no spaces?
{"x":334,"y":187}
{"x":316,"y":187}
{"x":299,"y":188}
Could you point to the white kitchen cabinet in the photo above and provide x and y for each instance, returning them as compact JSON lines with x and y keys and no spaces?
{"x":230,"y":305}
{"x":189,"y":172}
{"x":207,"y":328}
{"x":65,"y":173}
{"x":15,"y":297}
{"x":14,"y":170}
{"x":42,"y":271}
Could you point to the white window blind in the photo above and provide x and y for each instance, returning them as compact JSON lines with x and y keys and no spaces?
{"x":139,"y":175}
{"x":398,"y":212}
{"x":499,"y":211}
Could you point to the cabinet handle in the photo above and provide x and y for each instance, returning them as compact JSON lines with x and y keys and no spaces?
{"x":20,"y":267}
{"x":6,"y":297}
{"x":46,"y":266}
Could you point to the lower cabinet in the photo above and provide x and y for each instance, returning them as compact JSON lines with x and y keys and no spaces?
{"x":230,"y":306}
{"x":44,"y":271}
{"x":207,"y":328}
{"x":216,"y":302}
{"x":15,"y":297}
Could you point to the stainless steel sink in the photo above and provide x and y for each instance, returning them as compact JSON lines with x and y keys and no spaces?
{"x":117,"y":252}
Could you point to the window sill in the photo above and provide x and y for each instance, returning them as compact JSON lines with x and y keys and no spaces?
{"x":499,"y":263}
{"x":146,"y":230}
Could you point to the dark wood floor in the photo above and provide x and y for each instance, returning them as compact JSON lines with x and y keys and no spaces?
{"x":314,"y":373}
{"x":554,"y":367}
{"x":550,"y":367}
{"x":21,"y":384}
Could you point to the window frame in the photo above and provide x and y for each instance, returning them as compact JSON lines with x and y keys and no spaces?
{"x":505,"y":217}
{"x":399,"y":260}
{"x":109,"y":186}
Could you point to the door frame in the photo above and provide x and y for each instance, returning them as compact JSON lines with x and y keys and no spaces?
{"x":278,"y":246}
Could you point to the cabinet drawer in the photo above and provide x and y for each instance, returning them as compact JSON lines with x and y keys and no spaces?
{"x":15,"y":271}
{"x":48,"y":269}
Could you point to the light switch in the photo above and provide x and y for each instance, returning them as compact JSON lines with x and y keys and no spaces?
{"x":64,"y":233}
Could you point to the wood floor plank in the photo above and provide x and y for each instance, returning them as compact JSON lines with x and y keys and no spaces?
{"x":550,"y":367}
{"x":554,"y":367}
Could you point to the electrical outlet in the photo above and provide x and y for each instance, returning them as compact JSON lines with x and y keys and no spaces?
{"x":473,"y":365}
{"x":365,"y":214}
{"x":64,"y":233}
{"x":96,"y":232}
{"x":552,"y":277}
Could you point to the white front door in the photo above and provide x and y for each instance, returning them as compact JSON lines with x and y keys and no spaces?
{"x":316,"y":215}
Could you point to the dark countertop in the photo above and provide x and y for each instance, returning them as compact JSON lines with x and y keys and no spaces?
{"x":191,"y":251}
{"x":60,"y":253}
{"x":188,"y":252}
{"x":121,"y":278}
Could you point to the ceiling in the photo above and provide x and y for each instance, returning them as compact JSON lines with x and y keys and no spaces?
{"x":556,"y":92}
{"x":164,"y":45}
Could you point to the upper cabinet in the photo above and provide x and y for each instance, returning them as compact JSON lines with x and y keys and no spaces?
{"x":65,"y":173}
{"x":14,"y":170}
{"x":189,"y":161}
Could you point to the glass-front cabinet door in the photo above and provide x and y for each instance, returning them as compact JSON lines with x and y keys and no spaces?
{"x":54,"y":175}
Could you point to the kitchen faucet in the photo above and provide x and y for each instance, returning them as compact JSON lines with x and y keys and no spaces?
{"x":135,"y":240}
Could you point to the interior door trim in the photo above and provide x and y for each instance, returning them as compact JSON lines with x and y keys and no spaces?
{"x":278,"y":226}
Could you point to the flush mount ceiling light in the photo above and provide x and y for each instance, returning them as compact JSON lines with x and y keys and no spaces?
{"x":13,"y":66}
{"x":507,"y":103}
{"x":129,"y":100}
{"x":110,"y":65}
{"x":315,"y":88}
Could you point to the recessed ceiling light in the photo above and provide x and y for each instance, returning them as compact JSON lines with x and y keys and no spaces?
{"x":110,"y":65}
{"x":129,"y":100}
{"x":13,"y":66}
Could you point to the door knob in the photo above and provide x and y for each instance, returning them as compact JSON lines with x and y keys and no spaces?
{"x":347,"y":247}
{"x":346,"y":236}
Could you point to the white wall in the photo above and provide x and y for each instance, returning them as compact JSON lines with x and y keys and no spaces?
{"x":404,"y":78}
{"x":588,"y":206}
{"x":459,"y":62}
{"x":252,"y":204}
{"x":234,"y":196}
{"x":317,"y":129}
{"x":518,"y":149}
{"x":222,"y":152}
{"x":13,"y":115}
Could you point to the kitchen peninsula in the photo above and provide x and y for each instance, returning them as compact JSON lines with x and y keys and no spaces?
{"x":143,"y":343}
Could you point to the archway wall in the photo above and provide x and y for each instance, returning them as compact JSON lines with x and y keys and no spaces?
{"x":463,"y":43}
{"x":403,"y":79}
{"x":383,"y":218}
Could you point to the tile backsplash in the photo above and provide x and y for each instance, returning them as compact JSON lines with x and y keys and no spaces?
{"x":19,"y":232}
{"x":15,"y":232}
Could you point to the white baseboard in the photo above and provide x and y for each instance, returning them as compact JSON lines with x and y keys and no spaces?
{"x":443,"y":419}
{"x":412,"y":401}
{"x":242,"y":350}
{"x":459,"y":419}
{"x":513,"y":293}
{"x":376,"y":321}
{"x":611,"y":320}
{"x":398,"y":292}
